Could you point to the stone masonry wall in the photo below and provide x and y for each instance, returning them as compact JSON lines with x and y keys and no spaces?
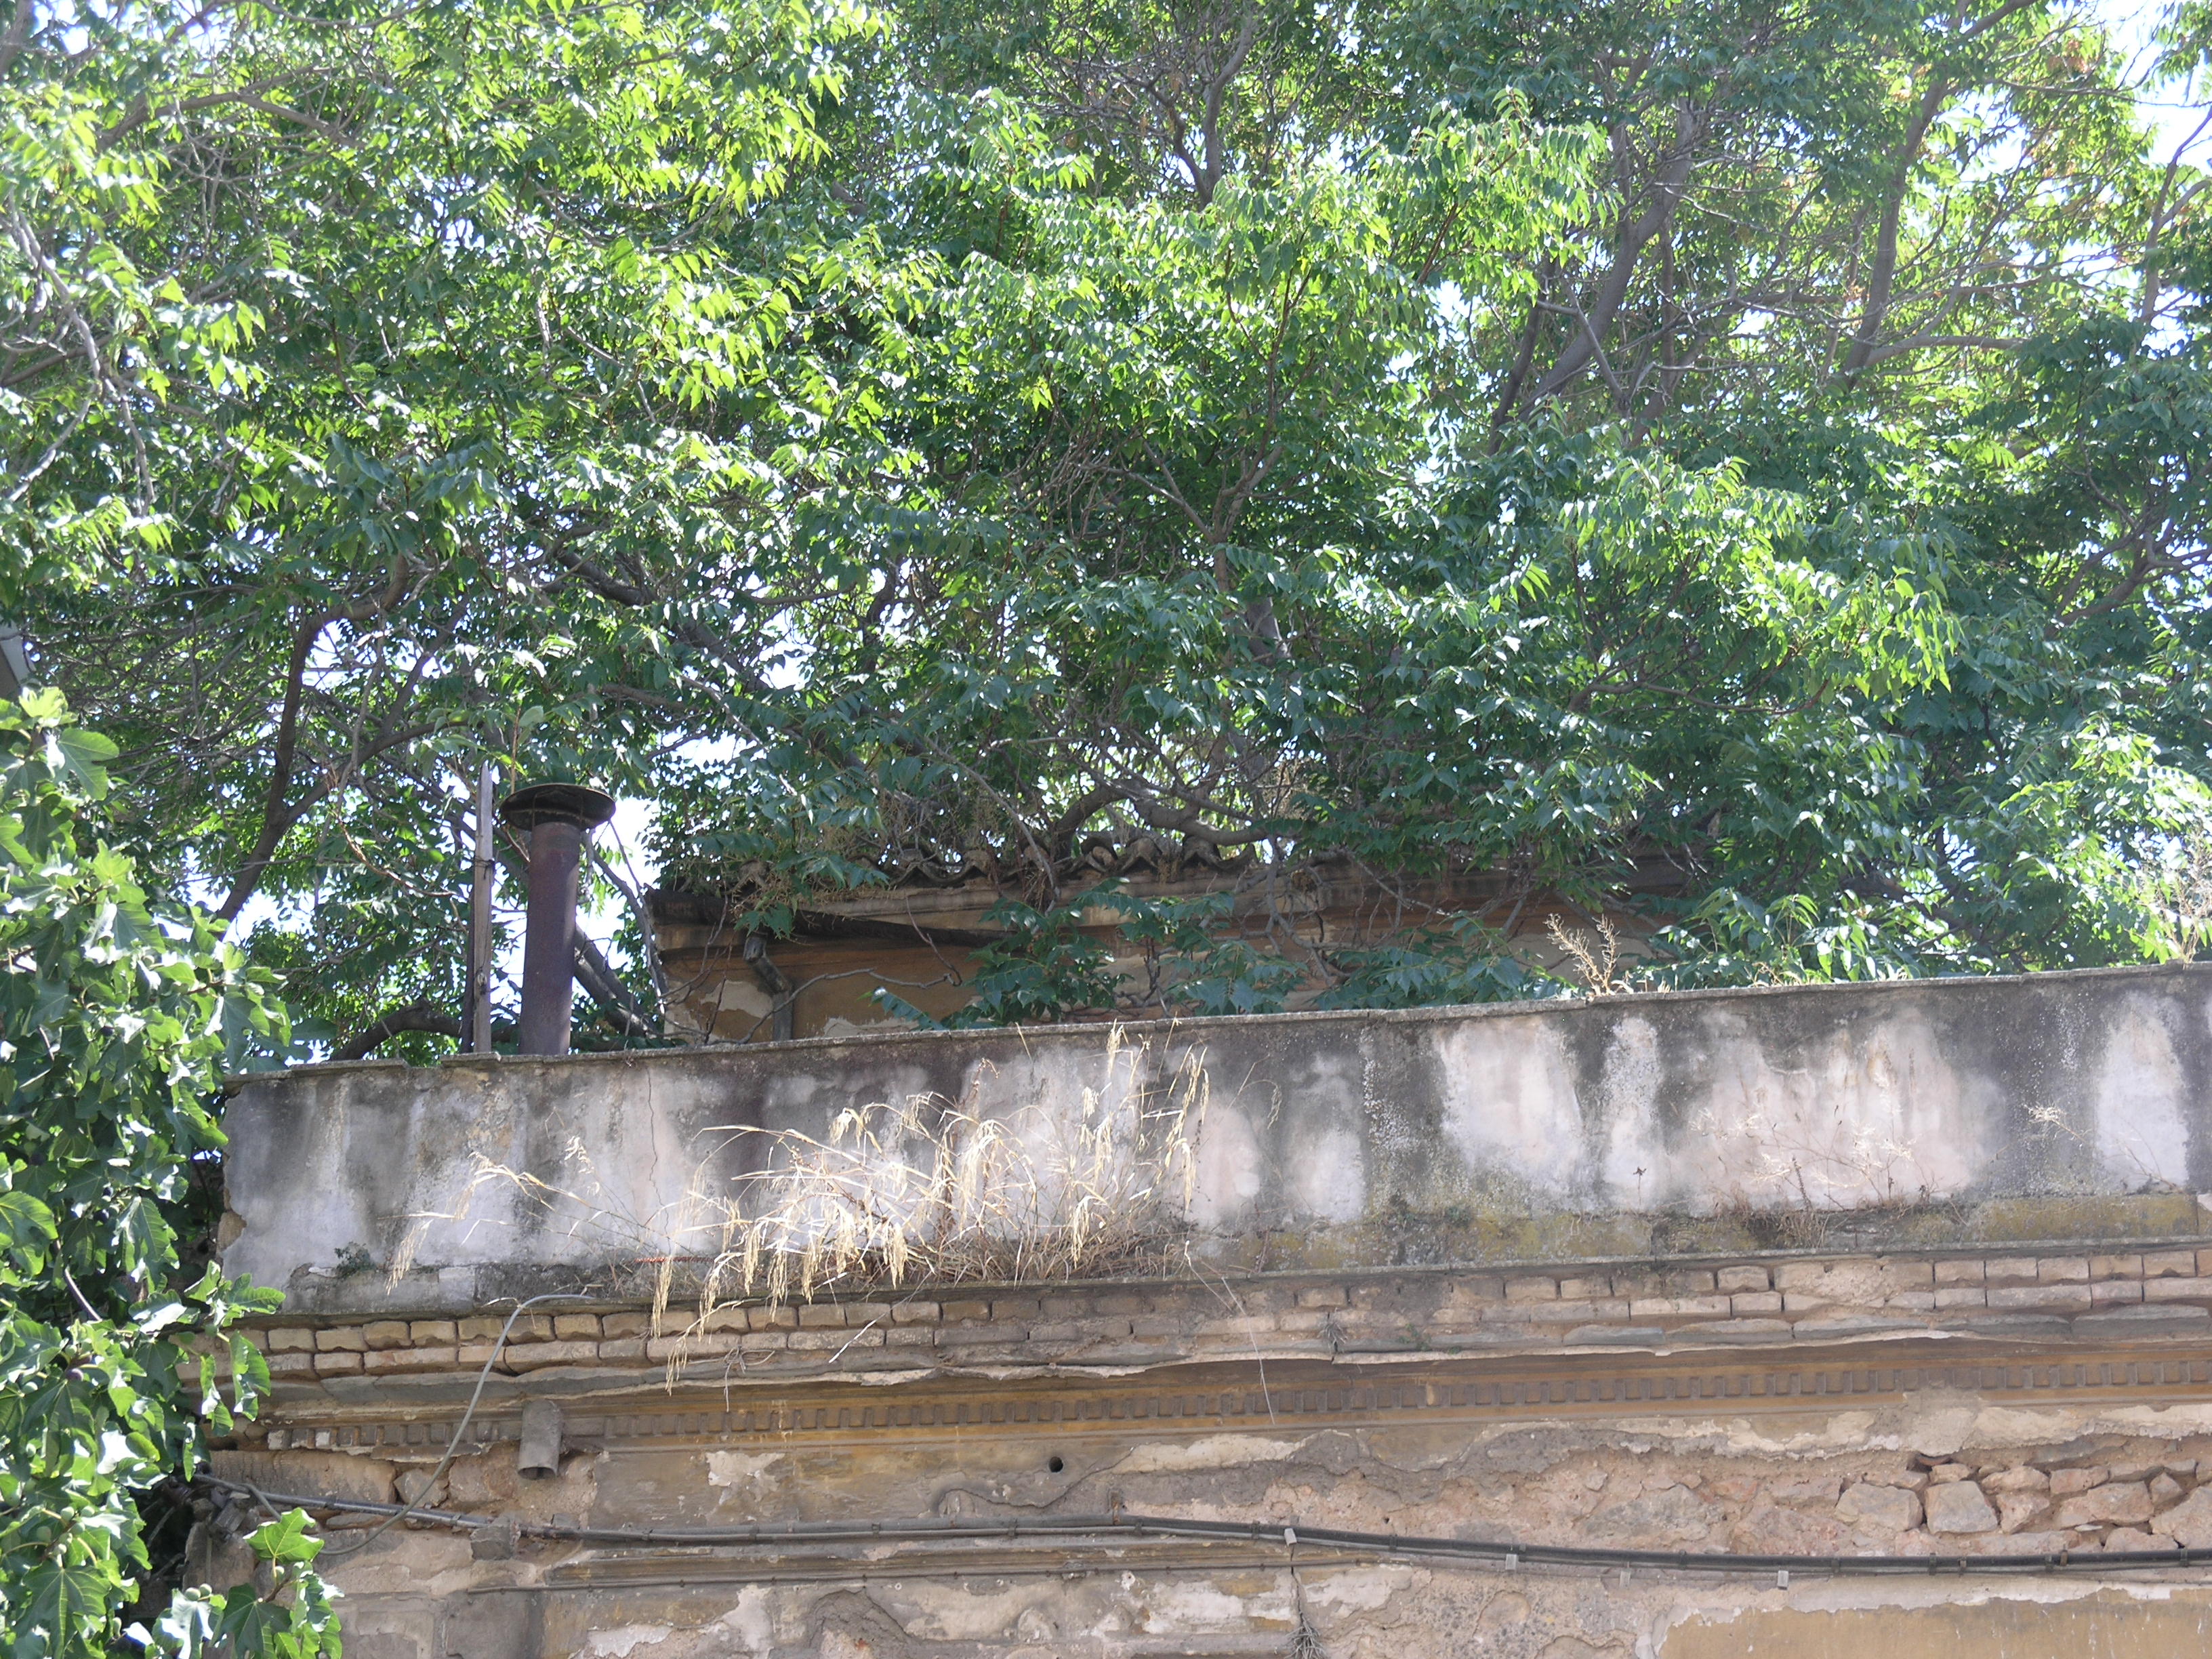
{"x":2101,"y":1297}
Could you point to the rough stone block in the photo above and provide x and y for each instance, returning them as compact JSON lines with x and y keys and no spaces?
{"x":1248,"y":1327}
{"x":531,"y":1355}
{"x":2189,"y":1522}
{"x":816,"y":1315}
{"x":386,"y":1361}
{"x":432,"y":1333}
{"x":291,"y":1339}
{"x":2069,"y":1483}
{"x":1968,"y":1271}
{"x":2116,"y":1292}
{"x":2178,"y":1290}
{"x":2119,"y":1503}
{"x":1959,"y":1507}
{"x":771,"y":1319}
{"x":1330,"y":1296}
{"x":1755,"y":1301}
{"x":1749,"y":1279}
{"x":950,"y":1311}
{"x":2062,"y":1270}
{"x":1679,"y":1306}
{"x":480,"y":1329}
{"x":2008,"y":1270}
{"x":2026,"y":1478}
{"x":1962,"y":1296}
{"x":291,"y":1364}
{"x":2116,"y":1266}
{"x":1886,"y":1508}
{"x":2065,"y":1297}
{"x":625,"y":1324}
{"x":833,"y":1341}
{"x":340,"y":1338}
{"x":2128,"y":1541}
{"x":337,"y":1362}
{"x":575,"y":1327}
{"x":1856,"y":1282}
{"x":2017,"y":1512}
{"x":627,"y":1350}
{"x":2169,"y":1264}
{"x":1532,"y":1290}
{"x":922,"y":1313}
{"x":962,"y":1336}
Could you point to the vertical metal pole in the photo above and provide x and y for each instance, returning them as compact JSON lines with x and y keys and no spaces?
{"x":481,"y":874}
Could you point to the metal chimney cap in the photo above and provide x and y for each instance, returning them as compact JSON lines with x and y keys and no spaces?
{"x":556,"y":803}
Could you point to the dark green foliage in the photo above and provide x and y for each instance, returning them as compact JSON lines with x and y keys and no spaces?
{"x":115,"y":1016}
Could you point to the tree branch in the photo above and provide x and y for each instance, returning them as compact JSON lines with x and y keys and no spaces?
{"x":422,"y":1015}
{"x":1883,"y":274}
{"x":1583,"y":349}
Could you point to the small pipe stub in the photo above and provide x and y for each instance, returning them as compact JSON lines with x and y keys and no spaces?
{"x":539,"y":1456}
{"x":557,"y":802}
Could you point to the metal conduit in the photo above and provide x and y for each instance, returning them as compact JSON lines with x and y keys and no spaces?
{"x":1104,"y":1530}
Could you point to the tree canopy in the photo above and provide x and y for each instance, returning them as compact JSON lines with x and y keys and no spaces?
{"x":1767,"y":440}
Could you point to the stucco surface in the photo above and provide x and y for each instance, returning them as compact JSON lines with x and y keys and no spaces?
{"x":1799,"y":1485}
{"x":1600,"y":1127}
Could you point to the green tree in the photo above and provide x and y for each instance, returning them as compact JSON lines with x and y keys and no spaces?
{"x":388,"y":391}
{"x":1763,"y":444}
{"x":114,"y":1018}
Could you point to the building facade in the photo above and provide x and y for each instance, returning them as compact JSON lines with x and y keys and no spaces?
{"x":1804,"y":1321}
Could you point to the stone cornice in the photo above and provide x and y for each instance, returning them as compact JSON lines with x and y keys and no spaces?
{"x":1304,"y":1396}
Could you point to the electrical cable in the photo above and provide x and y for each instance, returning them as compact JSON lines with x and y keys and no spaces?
{"x":1122,"y":1525}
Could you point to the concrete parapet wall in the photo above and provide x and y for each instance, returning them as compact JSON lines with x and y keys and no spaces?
{"x":2061,"y":1106}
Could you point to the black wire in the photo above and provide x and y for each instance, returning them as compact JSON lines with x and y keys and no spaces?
{"x":1123,"y":1525}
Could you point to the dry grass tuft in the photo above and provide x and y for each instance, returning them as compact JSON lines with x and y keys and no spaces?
{"x":934,"y":1193}
{"x":925,"y":1192}
{"x":1598,"y":960}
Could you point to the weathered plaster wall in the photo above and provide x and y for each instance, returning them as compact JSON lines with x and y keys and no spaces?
{"x":1933,"y":1471}
{"x":1610,"y":1126}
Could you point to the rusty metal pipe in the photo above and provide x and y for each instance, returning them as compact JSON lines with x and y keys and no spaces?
{"x":557,"y":816}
